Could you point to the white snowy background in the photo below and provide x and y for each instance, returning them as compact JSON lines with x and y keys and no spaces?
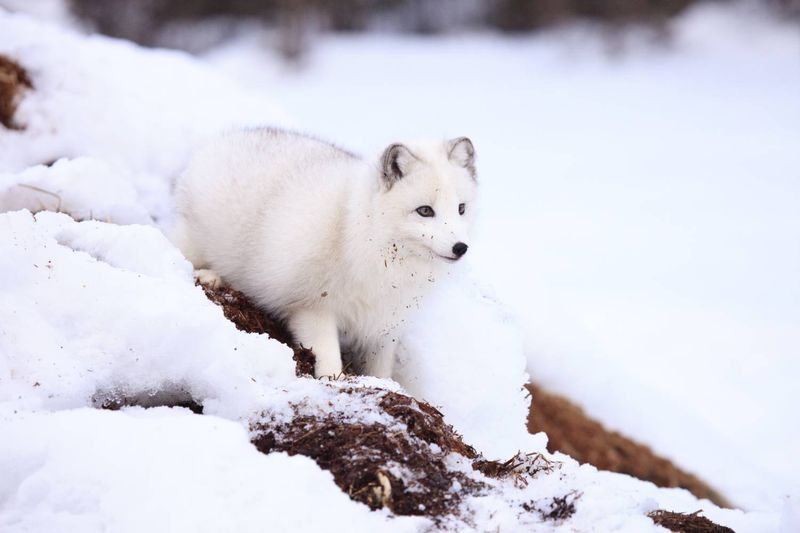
{"x":639,"y":222}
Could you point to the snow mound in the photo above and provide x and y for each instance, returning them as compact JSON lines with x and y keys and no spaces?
{"x":462,"y":341}
{"x":84,"y":188}
{"x":92,"y":310}
{"x":139,"y":112}
{"x":163,"y":470}
{"x":94,"y":314}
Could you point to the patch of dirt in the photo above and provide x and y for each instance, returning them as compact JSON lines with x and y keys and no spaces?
{"x":425,"y":422}
{"x":561,"y":508}
{"x":399,"y":465}
{"x":556,"y":509}
{"x":571,"y":432}
{"x":13,"y":82}
{"x":247,"y":317}
{"x":687,"y":523}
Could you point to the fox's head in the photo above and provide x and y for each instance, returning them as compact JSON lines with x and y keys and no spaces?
{"x":428,"y":194}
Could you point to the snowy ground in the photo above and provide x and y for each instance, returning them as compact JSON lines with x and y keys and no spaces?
{"x":639,"y":213}
{"x":94,"y":311}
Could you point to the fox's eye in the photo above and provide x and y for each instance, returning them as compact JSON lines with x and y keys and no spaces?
{"x":462,"y":208}
{"x":425,"y":211}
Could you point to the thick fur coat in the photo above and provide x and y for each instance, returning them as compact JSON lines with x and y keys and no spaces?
{"x":342,"y":248}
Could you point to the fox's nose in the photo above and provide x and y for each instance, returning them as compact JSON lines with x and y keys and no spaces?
{"x":459,"y":249}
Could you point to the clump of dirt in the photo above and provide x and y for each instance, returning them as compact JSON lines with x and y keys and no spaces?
{"x":13,"y":82}
{"x":687,"y":523}
{"x":561,"y":508}
{"x":557,"y":509}
{"x":247,"y":317}
{"x":400,"y":464}
{"x":571,"y":432}
{"x":425,"y":422}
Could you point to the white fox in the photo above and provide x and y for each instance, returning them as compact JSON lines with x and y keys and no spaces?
{"x":340,"y":247}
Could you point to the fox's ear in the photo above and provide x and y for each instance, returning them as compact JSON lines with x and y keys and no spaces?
{"x":461,"y":152}
{"x":395,"y":163}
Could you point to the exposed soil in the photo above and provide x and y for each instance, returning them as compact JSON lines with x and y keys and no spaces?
{"x":399,"y":465}
{"x":425,"y":422}
{"x":247,"y":317}
{"x":572,"y":432}
{"x":13,"y":82}
{"x":687,"y":523}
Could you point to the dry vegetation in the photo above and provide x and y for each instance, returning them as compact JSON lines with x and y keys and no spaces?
{"x":687,"y":523}
{"x":382,"y":465}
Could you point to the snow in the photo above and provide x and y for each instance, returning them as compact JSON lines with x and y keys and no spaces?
{"x":163,"y":470}
{"x":140,"y":115}
{"x":108,"y":323}
{"x":594,"y":246}
{"x":117,"y":316}
{"x":104,"y":191}
{"x":638,"y":214}
{"x":478,"y":347}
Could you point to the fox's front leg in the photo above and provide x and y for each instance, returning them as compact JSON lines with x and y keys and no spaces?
{"x":316,"y":330}
{"x":380,"y":360}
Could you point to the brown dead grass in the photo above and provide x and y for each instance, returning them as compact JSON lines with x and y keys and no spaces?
{"x":13,"y":82}
{"x":572,"y":432}
{"x":687,"y":523}
{"x":401,"y":466}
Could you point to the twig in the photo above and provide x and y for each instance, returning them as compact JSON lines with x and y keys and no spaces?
{"x":43,"y":191}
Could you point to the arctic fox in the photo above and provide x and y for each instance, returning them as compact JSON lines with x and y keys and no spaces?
{"x":340,"y":247}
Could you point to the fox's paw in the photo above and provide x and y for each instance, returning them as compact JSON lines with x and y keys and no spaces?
{"x":208,"y":277}
{"x":330,"y":369}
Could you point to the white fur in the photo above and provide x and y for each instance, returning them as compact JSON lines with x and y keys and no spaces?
{"x":323,"y":239}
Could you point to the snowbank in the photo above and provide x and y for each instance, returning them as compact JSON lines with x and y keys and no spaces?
{"x":109,"y":327}
{"x":141,"y":114}
{"x":462,"y":341}
{"x":163,"y":470}
{"x":638,"y":213}
{"x":85,"y":188}
{"x":101,"y":314}
{"x":91,"y":310}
